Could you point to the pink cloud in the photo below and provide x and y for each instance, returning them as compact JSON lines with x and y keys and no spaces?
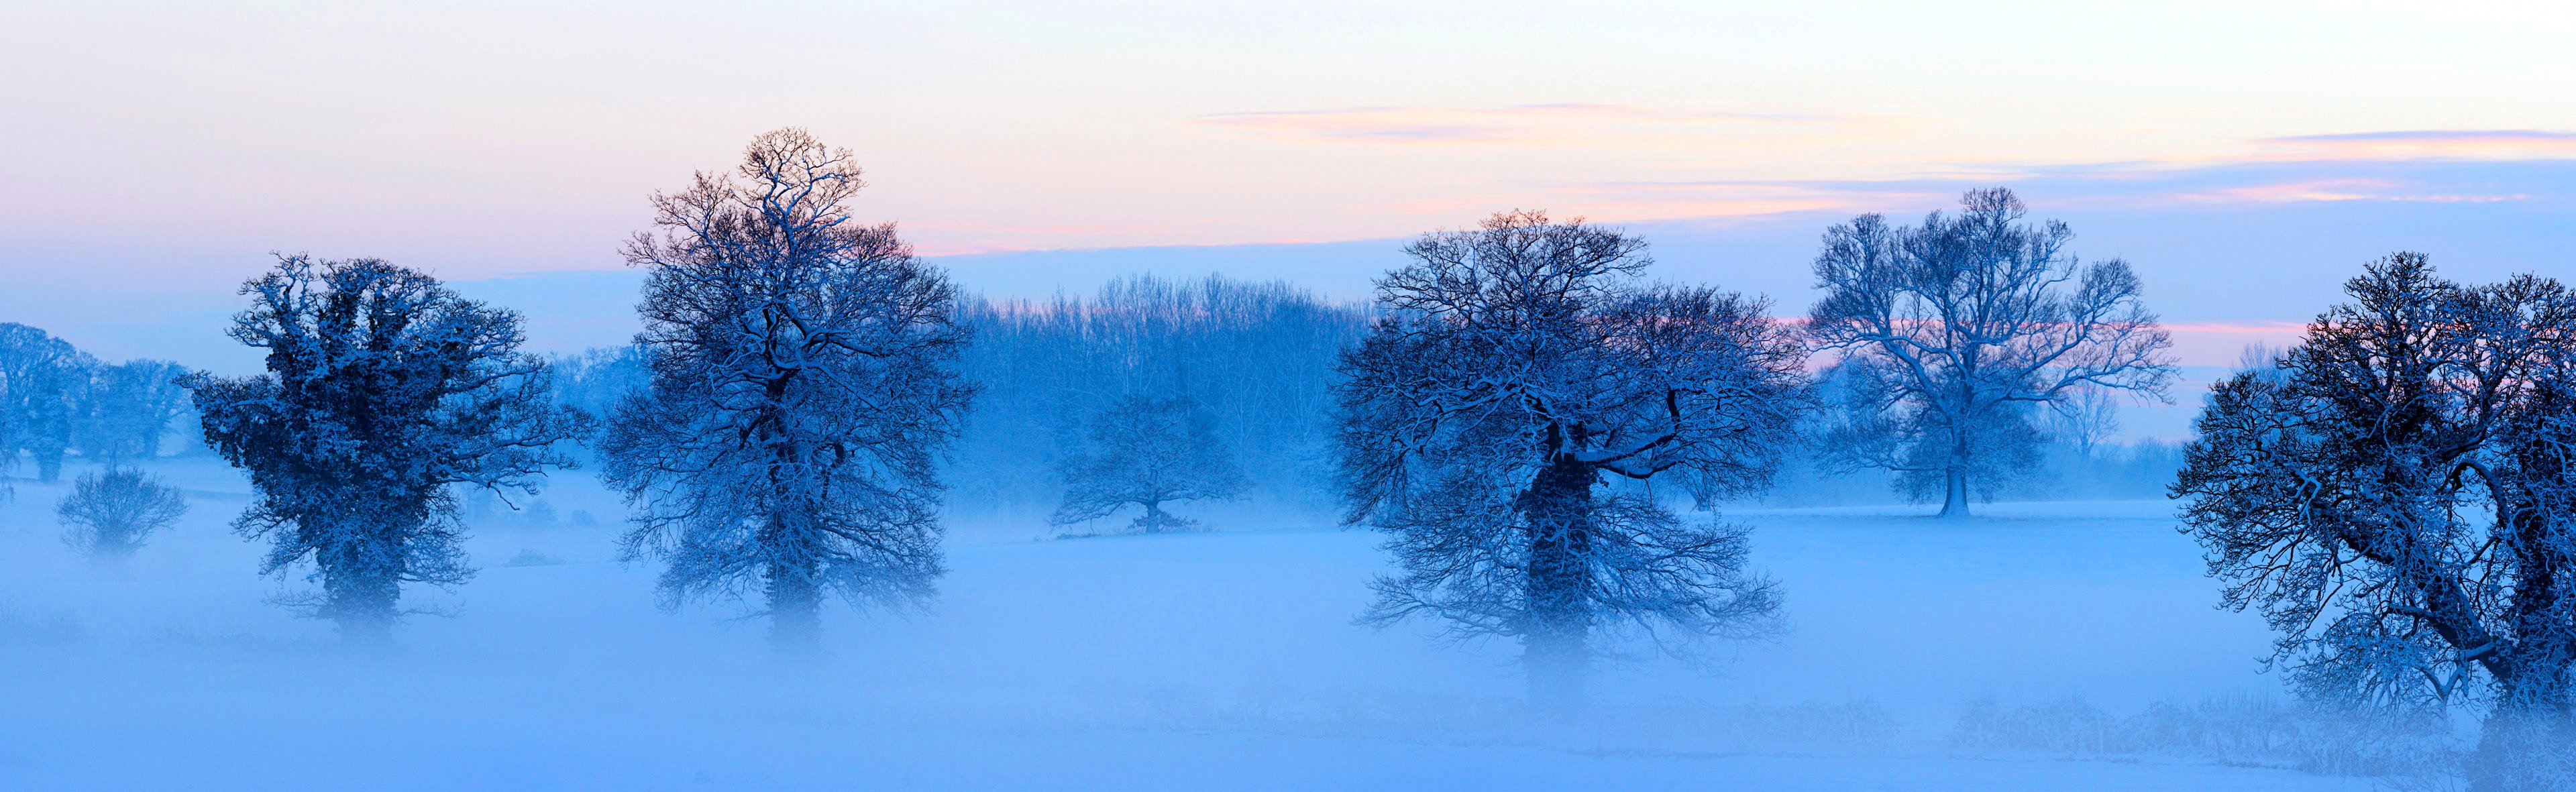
{"x":2222,"y":343}
{"x":2315,"y":190}
{"x":2337,"y":190}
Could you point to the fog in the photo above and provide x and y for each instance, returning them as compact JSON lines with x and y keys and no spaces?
{"x":1224,"y":659}
{"x":2064,"y":637}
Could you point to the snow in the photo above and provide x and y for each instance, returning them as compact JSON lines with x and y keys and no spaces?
{"x":1221,"y":660}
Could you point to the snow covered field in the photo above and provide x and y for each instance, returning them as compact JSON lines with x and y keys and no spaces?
{"x":1221,"y":660}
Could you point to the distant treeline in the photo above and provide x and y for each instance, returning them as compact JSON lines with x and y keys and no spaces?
{"x":57,"y":401}
{"x":1258,"y":357}
{"x":2063,"y":470}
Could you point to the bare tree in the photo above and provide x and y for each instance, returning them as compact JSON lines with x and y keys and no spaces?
{"x":1520,"y":366}
{"x":1148,"y":452}
{"x":803,"y":378}
{"x":1953,"y":333}
{"x":2084,"y":420}
{"x":109,"y":514}
{"x":2397,"y":495}
{"x":383,"y":388}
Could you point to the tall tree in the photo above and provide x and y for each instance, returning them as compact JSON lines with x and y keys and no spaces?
{"x":803,"y":378}
{"x":383,"y":389}
{"x":1952,"y":334}
{"x":1518,"y":368}
{"x":1148,"y":452}
{"x":2397,"y":495}
{"x":41,"y":379}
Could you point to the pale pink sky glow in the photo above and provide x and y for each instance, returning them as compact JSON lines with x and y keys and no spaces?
{"x":1570,"y":125}
{"x":169,"y":147}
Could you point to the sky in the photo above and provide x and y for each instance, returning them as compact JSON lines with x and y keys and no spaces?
{"x":2245,"y":157}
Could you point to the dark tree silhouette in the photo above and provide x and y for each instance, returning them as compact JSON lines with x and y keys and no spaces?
{"x":383,"y":389}
{"x":1950,"y":336}
{"x":1518,"y":367}
{"x":2397,"y":495}
{"x":1147,"y":452}
{"x":803,"y":380}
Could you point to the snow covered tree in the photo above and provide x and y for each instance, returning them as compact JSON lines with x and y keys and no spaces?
{"x":110,"y":513}
{"x":1953,"y":334}
{"x":41,"y":378}
{"x":803,"y":379}
{"x":383,"y":388}
{"x":126,"y":408}
{"x":1520,"y":367}
{"x":1148,"y":452}
{"x":2397,"y":495}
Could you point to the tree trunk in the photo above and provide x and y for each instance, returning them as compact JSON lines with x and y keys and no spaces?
{"x":49,"y":465}
{"x":1153,"y":516}
{"x":795,"y":602}
{"x":1555,"y":638}
{"x":1954,"y":493}
{"x":359,"y":594}
{"x":111,"y":552}
{"x":795,"y":611}
{"x":1954,"y":480}
{"x":788,"y":579}
{"x":2522,"y":745}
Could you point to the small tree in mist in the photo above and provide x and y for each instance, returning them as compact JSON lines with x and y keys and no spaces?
{"x":1951,"y":335}
{"x":1148,"y":452}
{"x":110,"y":513}
{"x":383,"y":388}
{"x":1257,"y":357}
{"x":2397,"y":494}
{"x":1518,"y":367}
{"x":803,"y":378}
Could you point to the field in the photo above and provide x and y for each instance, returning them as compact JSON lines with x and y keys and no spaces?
{"x":1220,"y":660}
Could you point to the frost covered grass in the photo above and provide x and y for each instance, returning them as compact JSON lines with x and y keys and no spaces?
{"x":1224,"y":659}
{"x":2228,"y":730}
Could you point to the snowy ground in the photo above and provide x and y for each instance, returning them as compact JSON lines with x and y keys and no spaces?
{"x":1209,"y":661}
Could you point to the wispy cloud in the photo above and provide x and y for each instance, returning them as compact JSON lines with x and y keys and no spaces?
{"x":1561,"y":123}
{"x":2242,"y":327}
{"x":2479,"y":145}
{"x":2338,"y":190}
{"x":2284,"y":192}
{"x":2444,"y":167}
{"x":2421,"y":166}
{"x":2222,"y":344}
